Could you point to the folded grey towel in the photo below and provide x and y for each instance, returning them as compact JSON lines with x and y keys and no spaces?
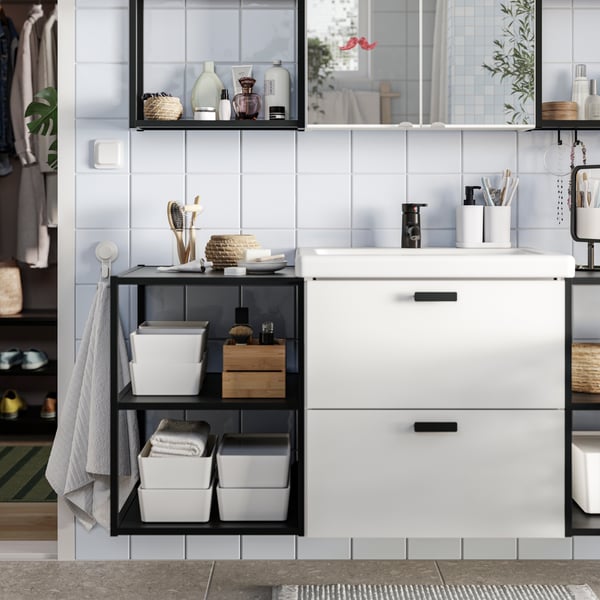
{"x":179,"y":438}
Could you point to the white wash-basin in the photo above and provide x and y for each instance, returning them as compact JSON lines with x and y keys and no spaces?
{"x":425,"y":263}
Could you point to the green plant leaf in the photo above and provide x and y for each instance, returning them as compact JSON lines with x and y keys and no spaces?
{"x":46,"y":109}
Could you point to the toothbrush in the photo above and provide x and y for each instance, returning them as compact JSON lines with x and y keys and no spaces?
{"x":511,"y":194}
{"x":504,"y":185}
{"x":486,"y":191}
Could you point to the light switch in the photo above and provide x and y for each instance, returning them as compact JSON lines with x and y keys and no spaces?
{"x":108,"y":154}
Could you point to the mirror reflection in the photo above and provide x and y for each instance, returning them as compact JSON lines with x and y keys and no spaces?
{"x":457,"y":62}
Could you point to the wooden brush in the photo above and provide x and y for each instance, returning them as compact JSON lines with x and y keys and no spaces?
{"x":175,"y":217}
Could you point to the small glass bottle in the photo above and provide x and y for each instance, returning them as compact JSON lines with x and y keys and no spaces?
{"x":592,"y":103}
{"x":267,"y":337}
{"x":246,"y":104}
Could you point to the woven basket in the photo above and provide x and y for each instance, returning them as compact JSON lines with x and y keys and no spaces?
{"x":11,"y":291}
{"x":163,"y":108}
{"x":225,"y":250}
{"x":585,"y":368}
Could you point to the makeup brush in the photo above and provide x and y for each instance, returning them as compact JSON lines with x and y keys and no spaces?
{"x":175,"y":217}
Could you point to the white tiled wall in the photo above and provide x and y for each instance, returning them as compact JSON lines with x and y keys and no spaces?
{"x":296,"y":189}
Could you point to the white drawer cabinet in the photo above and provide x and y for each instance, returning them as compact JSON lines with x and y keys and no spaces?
{"x":370,"y":344}
{"x":369,"y":474}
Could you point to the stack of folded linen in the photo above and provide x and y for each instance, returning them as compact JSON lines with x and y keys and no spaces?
{"x":179,"y":438}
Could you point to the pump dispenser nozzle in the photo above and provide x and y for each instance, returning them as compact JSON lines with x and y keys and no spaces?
{"x":469,"y":194}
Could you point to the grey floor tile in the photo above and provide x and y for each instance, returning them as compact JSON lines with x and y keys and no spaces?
{"x":104,"y":580}
{"x":522,"y":572}
{"x":252,"y":580}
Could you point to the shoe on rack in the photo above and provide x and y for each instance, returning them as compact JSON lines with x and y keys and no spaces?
{"x":11,"y":404}
{"x":34,"y":359}
{"x":10,"y":358}
{"x":48,"y":410}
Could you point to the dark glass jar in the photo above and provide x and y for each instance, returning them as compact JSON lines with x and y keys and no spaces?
{"x":246,"y":104}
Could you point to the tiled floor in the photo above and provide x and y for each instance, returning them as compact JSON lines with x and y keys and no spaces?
{"x":252,"y":580}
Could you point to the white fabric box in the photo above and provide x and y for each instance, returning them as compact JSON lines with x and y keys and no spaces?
{"x":175,"y":506}
{"x":585,"y":457}
{"x":248,"y":460}
{"x":177,"y":472}
{"x":167,"y":348}
{"x":253,"y":504}
{"x":167,"y":379}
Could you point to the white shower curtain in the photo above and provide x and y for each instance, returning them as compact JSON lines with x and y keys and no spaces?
{"x":439,"y":67}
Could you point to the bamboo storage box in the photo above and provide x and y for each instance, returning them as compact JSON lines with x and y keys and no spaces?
{"x":177,"y":472}
{"x":254,"y":370}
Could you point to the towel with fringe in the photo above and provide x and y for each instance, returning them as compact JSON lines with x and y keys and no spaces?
{"x":79,"y":464}
{"x":179,"y":438}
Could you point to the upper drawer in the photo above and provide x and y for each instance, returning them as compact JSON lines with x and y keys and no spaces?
{"x":435,"y":344}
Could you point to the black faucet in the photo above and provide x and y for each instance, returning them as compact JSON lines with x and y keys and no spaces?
{"x":411,"y":225}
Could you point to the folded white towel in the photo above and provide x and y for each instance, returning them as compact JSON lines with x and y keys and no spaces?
{"x":179,"y":438}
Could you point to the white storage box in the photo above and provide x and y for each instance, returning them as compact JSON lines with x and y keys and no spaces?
{"x":247,"y":460}
{"x":585,"y":456}
{"x":168,"y":379}
{"x":168,"y":327}
{"x":253,"y":504}
{"x":175,"y":506}
{"x":167,"y":347}
{"x":177,"y":472}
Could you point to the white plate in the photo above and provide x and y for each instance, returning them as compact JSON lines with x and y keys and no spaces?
{"x":263,"y":267}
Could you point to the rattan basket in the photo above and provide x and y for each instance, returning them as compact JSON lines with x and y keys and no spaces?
{"x":163,"y":108}
{"x":225,"y":250}
{"x":585,"y":368}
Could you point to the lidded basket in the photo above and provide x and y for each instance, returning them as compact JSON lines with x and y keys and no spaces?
{"x":225,"y":250}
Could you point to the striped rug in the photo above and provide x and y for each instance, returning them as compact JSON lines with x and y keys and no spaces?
{"x":22,"y":474}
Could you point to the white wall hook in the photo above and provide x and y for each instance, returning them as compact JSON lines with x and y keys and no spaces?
{"x":106,"y":253}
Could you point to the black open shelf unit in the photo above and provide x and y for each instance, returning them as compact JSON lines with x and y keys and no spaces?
{"x":30,"y":317}
{"x":28,"y":422}
{"x":127,"y":520}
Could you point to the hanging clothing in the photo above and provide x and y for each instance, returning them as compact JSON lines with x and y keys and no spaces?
{"x":47,"y":77}
{"x":33,"y":240}
{"x":9,"y":40}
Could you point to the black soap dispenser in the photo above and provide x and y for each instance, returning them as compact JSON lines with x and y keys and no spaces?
{"x":469,"y":220}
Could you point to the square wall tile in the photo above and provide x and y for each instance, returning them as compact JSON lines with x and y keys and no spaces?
{"x":586,"y":24}
{"x":89,"y":130}
{"x":217,"y":306}
{"x":551,"y":240}
{"x":376,"y":238}
{"x":542,"y":201}
{"x":101,"y":91}
{"x":434,"y":151}
{"x":490,"y":548}
{"x":268,"y":35}
{"x":268,"y":201}
{"x":157,"y":151}
{"x":379,"y":548}
{"x":438,"y":238}
{"x":558,"y":47}
{"x":442,"y":193}
{"x":545,"y":548}
{"x":87,"y":266}
{"x":324,"y":201}
{"x":268,"y":547}
{"x":102,"y":201}
{"x":153,"y":247}
{"x":377,"y":201}
{"x":268,"y":152}
{"x":213,"y":152}
{"x":220,"y":196}
{"x":212,"y":547}
{"x":487,"y":152}
{"x":213,"y":35}
{"x":434,"y":548}
{"x":279,"y":241}
{"x":157,"y":547}
{"x":533,"y":146}
{"x":557,"y":81}
{"x":378,"y":151}
{"x":323,"y":548}
{"x":98,"y":545}
{"x":324,"y":238}
{"x":168,"y":26}
{"x":323,"y":152}
{"x":149,"y":197}
{"x":102,"y":35}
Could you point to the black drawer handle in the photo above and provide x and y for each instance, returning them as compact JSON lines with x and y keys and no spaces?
{"x":435,"y":426}
{"x":436,"y":296}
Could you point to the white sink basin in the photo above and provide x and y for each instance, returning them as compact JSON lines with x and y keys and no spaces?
{"x":427,"y":263}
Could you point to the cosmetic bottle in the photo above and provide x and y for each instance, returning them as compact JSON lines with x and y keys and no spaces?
{"x":241,"y":332}
{"x":224,"y":106}
{"x":267,"y":336}
{"x":581,"y":90}
{"x":207,"y":89}
{"x":469,"y":220}
{"x":277,"y":89}
{"x":592,"y":104}
{"x":246,"y":104}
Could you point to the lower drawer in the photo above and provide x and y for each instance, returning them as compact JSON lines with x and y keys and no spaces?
{"x":499,"y":474}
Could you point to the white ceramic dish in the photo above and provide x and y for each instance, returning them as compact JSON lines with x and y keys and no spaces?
{"x":269,"y":266}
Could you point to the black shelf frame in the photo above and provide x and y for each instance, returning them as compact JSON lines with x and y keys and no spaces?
{"x":30,"y":317}
{"x":48,"y":370}
{"x":577,"y":522}
{"x":136,"y":83}
{"x":127,"y":520}
{"x":28,"y":422}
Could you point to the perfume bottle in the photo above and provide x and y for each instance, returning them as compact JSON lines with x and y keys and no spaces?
{"x":246,"y":104}
{"x":592,"y":104}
